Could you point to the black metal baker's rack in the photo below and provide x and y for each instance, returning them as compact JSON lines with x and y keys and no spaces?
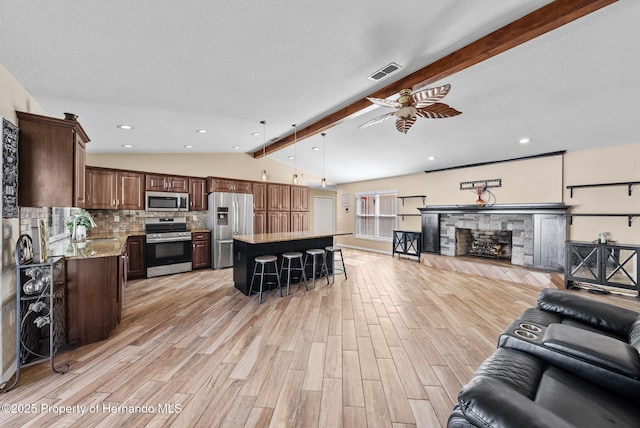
{"x":40,"y":310}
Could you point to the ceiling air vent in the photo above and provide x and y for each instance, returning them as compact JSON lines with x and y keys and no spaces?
{"x":384,"y":71}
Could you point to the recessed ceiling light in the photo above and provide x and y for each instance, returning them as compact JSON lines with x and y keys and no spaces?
{"x":255,"y":134}
{"x":290,"y":157}
{"x":431,"y":158}
{"x":525,"y":140}
{"x":235,"y":147}
{"x":125,"y":127}
{"x":315,"y":148}
{"x":188,"y":146}
{"x":127,"y":146}
{"x":201,"y":131}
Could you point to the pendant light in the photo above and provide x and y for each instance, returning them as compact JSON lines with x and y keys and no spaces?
{"x":295,"y":161}
{"x":324,"y":152}
{"x":264,"y":147}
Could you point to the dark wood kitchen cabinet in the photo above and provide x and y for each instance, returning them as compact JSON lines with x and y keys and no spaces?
{"x":278,"y":221}
{"x":259,"y":191}
{"x":278,"y":197}
{"x":299,"y":198}
{"x":201,"y":254}
{"x":197,"y":194}
{"x":299,"y":221}
{"x":113,"y":189}
{"x":167,"y":183}
{"x":95,"y":289}
{"x":217,"y":184}
{"x":259,"y":222}
{"x":52,"y":162}
{"x":136,"y":267}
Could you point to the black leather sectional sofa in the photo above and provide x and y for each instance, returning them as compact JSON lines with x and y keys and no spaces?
{"x":569,"y":361}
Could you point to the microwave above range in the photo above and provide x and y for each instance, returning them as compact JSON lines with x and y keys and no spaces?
{"x":166,"y":201}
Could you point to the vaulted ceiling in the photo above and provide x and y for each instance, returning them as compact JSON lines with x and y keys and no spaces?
{"x":171,"y":68}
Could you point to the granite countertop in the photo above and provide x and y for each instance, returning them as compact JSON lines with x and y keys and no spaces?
{"x":265,"y":238}
{"x":101,"y":245}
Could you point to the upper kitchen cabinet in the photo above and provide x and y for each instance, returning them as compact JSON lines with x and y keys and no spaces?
{"x":259,"y":191}
{"x":299,"y":198}
{"x":197,"y":194}
{"x":167,"y":183}
{"x":52,"y":161}
{"x":217,"y":184}
{"x":113,"y":189}
{"x":278,"y":197}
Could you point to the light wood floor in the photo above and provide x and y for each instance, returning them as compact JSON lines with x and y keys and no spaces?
{"x":389,"y":346}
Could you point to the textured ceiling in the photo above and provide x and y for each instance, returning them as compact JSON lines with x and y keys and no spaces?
{"x":169,"y":68}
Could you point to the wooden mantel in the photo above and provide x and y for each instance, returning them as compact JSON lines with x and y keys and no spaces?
{"x":497,"y":209}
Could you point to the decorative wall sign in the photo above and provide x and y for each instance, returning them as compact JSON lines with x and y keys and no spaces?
{"x":9,"y":135}
{"x":487,"y":184}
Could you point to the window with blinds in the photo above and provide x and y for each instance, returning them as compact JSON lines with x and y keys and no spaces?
{"x":376,"y":215}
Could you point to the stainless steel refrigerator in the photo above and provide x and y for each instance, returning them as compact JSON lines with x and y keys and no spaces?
{"x":229,"y":214}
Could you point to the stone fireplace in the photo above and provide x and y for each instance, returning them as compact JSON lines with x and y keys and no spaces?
{"x":529,"y":235}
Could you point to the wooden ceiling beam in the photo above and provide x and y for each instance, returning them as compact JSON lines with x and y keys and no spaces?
{"x":547,"y":18}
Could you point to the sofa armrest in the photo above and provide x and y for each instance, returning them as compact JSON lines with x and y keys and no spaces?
{"x":604,"y":316}
{"x":598,"y":349}
{"x":487,"y":402}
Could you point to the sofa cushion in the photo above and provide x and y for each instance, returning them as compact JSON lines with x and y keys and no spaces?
{"x":515,"y":389}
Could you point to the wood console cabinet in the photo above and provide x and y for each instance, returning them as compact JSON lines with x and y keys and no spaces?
{"x":201,"y":254}
{"x":113,"y":189}
{"x":167,"y":183}
{"x":94,"y":298}
{"x":52,"y":162}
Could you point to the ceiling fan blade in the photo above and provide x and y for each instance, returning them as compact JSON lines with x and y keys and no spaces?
{"x":377,"y":120}
{"x":384,"y":102}
{"x":429,"y":96}
{"x":403,"y":125}
{"x":437,"y":111}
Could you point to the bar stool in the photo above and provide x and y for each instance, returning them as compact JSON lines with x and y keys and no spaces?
{"x":316,"y":252}
{"x":260,"y":263}
{"x":342,"y":269}
{"x":289,"y":257}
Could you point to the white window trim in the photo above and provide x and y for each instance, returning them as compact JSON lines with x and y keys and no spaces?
{"x":376,"y":215}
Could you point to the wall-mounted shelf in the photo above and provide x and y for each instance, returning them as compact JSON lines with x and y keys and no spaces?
{"x":423,"y":197}
{"x":629,"y":216}
{"x":582,"y":186}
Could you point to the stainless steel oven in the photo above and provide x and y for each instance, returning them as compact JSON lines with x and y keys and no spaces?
{"x":168,"y":248}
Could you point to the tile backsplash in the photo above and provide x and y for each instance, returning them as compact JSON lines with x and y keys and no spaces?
{"x":125,"y":221}
{"x":115,"y":221}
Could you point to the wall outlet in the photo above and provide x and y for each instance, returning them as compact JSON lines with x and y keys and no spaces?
{"x":116,"y":218}
{"x":194,"y":217}
{"x":12,"y":317}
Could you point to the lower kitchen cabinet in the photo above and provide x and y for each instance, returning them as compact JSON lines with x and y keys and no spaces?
{"x":201,"y":254}
{"x":95,"y":288}
{"x":136,"y":267}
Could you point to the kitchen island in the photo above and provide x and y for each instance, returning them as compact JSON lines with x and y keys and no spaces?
{"x":96,"y":275}
{"x":247,"y":247}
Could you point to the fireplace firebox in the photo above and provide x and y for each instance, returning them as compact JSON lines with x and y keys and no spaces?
{"x":483,"y":243}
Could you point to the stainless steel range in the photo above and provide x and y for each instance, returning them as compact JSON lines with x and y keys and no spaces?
{"x":168,"y":246}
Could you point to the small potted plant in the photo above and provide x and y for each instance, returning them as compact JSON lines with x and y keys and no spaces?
{"x":78,"y":222}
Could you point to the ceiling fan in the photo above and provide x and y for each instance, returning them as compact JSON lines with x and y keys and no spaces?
{"x":410,"y":105}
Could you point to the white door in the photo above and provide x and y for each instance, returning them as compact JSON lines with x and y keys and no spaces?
{"x":324,"y":214}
